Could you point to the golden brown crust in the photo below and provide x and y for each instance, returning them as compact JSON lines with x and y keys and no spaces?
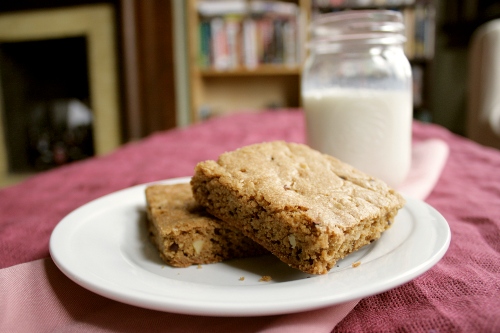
{"x":307,"y":208}
{"x":185,"y":234}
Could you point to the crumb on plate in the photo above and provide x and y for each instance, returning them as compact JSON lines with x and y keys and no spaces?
{"x":265,"y":278}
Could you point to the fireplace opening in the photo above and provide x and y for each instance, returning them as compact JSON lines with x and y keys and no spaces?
{"x":46,"y":103}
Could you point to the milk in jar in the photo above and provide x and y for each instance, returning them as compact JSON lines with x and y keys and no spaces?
{"x":369,"y":129}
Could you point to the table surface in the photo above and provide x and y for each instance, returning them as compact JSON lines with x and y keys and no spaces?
{"x":460,"y":293}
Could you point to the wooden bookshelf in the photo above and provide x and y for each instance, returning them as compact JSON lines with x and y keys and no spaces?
{"x":263,"y":70}
{"x":216,"y":91}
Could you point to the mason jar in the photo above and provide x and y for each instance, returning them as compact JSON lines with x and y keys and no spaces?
{"x":357,"y":91}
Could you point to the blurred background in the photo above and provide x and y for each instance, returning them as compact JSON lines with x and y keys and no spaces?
{"x":80,"y":78}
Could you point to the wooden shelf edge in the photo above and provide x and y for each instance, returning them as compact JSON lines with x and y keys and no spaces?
{"x":261,"y":70}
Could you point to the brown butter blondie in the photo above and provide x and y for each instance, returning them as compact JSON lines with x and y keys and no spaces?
{"x":307,"y":208}
{"x":185,"y":234}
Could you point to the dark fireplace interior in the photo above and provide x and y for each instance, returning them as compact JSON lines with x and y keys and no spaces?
{"x":46,"y":104}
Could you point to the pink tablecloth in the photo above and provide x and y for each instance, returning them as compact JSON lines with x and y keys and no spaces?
{"x":461,"y":293}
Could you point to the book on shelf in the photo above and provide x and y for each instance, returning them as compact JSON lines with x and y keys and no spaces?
{"x":250,"y":58}
{"x":205,"y":34}
{"x":248,"y":34}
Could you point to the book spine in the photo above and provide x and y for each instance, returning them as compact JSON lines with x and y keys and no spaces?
{"x":290,"y":37}
{"x":219,"y":44}
{"x":277,"y":42}
{"x":205,"y":47}
{"x":250,"y":53}
{"x":266,"y":31}
{"x":232,"y":30}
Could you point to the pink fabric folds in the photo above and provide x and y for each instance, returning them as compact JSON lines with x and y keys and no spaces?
{"x":37,"y":297}
{"x":53,"y":302}
{"x":461,"y":293}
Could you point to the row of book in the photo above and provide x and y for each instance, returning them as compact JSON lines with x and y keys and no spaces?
{"x":419,"y":20}
{"x":247,"y":34}
{"x":239,"y":33}
{"x":362,"y":3}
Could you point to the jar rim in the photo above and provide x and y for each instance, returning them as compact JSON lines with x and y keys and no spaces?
{"x":386,"y":25}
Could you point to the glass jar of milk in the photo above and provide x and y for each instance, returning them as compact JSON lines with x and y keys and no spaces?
{"x":357,"y":92}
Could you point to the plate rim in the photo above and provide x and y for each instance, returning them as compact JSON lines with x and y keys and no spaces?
{"x":193,"y":306}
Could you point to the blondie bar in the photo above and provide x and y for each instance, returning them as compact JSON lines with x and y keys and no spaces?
{"x":185,"y":234}
{"x":307,"y":208}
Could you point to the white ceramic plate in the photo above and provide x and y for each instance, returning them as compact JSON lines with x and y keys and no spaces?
{"x":104,"y":247}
